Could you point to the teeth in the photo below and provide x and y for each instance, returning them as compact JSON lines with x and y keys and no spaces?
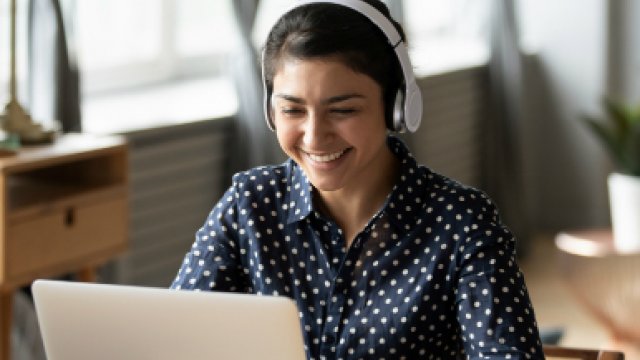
{"x":326,"y":158}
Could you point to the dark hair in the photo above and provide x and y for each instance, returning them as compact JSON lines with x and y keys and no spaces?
{"x":328,"y":30}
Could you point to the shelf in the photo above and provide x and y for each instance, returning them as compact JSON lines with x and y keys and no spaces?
{"x":37,"y":198}
{"x":63,"y":210}
{"x":63,"y":182}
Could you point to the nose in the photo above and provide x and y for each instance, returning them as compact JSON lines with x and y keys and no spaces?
{"x":316,"y":130}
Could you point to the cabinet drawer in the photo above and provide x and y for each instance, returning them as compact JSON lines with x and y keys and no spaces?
{"x":65,"y":235}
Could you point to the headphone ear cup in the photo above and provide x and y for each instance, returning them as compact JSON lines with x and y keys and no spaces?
{"x":398,"y":113}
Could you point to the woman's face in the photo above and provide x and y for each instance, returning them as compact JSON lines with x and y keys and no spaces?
{"x":330,"y":120}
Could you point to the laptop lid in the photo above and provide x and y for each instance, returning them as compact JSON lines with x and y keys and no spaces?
{"x":99,"y":321}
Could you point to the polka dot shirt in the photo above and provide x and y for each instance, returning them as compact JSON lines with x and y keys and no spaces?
{"x":432,"y":275}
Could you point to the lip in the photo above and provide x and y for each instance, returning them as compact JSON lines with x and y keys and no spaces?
{"x":326,"y":160}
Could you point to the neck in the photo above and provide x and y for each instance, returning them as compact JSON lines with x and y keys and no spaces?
{"x":352,"y":207}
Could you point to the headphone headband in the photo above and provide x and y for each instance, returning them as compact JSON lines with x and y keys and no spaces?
{"x":365,"y":9}
{"x":407,"y":113}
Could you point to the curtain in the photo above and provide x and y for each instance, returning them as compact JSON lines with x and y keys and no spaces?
{"x":255,"y":144}
{"x":623,"y":52}
{"x":53,"y":99}
{"x":502,"y":164}
{"x":54,"y":86}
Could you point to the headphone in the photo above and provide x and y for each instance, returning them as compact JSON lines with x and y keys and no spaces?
{"x":407,"y":106}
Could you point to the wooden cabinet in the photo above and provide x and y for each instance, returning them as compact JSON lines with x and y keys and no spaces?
{"x":63,"y":209}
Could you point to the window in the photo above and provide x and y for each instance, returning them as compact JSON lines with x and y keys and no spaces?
{"x":268,"y":13}
{"x":124,"y":43}
{"x":21,"y":11}
{"x":126,"y":46}
{"x":4,"y":53}
{"x":443,"y":34}
{"x":447,"y":34}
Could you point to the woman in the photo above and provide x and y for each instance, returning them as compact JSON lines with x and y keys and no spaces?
{"x":384,"y":258}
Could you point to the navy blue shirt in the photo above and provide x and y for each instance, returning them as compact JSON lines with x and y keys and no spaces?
{"x":432,"y":275}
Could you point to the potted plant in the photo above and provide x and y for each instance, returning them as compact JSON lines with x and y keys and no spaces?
{"x":619,"y":132}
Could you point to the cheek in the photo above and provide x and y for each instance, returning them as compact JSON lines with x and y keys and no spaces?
{"x":365,"y":128}
{"x":285,"y":135}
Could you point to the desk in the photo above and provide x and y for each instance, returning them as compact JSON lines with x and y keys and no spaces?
{"x":63,"y":210}
{"x":606,"y":282}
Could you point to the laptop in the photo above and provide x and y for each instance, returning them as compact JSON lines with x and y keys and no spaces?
{"x":100,"y":321}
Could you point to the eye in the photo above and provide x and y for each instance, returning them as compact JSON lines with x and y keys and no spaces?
{"x":343,"y":111}
{"x":291,"y":111}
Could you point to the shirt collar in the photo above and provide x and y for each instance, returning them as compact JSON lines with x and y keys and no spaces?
{"x":407,"y":199}
{"x":403,"y":205}
{"x":299,"y":203}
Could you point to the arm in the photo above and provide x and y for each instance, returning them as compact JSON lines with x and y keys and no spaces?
{"x":493,"y":306}
{"x":213,"y":262}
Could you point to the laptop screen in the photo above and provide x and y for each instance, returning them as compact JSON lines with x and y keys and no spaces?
{"x":99,"y":321}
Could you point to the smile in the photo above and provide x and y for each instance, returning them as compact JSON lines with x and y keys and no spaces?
{"x":327,"y":157}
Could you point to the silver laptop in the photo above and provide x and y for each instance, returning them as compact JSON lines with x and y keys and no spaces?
{"x":98,"y":321}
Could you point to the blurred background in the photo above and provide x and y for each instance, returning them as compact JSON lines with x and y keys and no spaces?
{"x":506,"y":84}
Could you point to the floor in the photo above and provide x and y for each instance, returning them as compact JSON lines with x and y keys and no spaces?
{"x":555,"y":305}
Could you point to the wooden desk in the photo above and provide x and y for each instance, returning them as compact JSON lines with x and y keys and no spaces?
{"x":605,"y":281}
{"x":63,"y":210}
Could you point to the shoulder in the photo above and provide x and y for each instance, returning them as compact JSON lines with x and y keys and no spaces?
{"x":436,"y":192}
{"x":473,"y":219}
{"x":466,"y":213}
{"x":453,"y":195}
{"x":266,"y":189}
{"x":262,"y":179}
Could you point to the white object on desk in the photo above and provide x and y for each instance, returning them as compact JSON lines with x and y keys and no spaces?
{"x":624,"y":199}
{"x":98,"y":321}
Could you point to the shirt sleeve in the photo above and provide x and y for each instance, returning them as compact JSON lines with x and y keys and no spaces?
{"x":213,"y":261}
{"x":493,"y":306}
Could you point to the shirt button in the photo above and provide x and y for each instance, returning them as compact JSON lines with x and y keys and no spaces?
{"x":328,"y":339}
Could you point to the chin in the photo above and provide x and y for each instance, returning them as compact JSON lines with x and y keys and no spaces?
{"x":326,"y":184}
{"x":326,"y":187}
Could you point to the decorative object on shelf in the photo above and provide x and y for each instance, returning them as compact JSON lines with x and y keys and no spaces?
{"x":620,"y":134}
{"x":9,"y":143}
{"x":16,"y":120}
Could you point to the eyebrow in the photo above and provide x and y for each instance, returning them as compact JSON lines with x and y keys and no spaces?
{"x":331,"y":100}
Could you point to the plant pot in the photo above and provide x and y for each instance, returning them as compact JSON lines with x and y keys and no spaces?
{"x":624,"y":200}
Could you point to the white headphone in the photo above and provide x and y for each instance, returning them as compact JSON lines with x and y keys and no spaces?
{"x":407,"y":110}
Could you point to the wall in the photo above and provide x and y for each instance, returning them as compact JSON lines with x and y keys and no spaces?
{"x":448,"y":139}
{"x":177,"y":174}
{"x":565,"y":168}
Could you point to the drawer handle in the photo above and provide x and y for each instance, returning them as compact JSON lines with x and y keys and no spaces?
{"x":69,"y":217}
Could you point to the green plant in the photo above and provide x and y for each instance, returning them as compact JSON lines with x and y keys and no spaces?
{"x":620,"y":134}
